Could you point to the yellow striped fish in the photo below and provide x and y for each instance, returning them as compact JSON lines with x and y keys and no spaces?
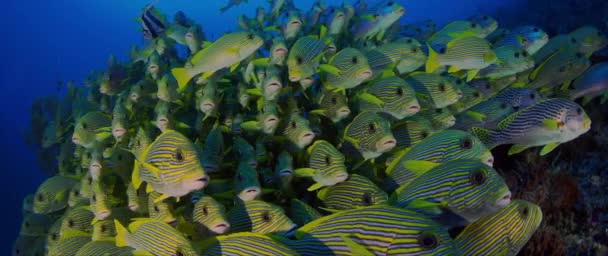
{"x":469,"y":53}
{"x":88,"y":126}
{"x":391,"y":95}
{"x":154,"y":237}
{"x":160,"y":210}
{"x":434,"y":91}
{"x":352,"y":68}
{"x":246,"y":243}
{"x":503,"y":233}
{"x":325,"y":165}
{"x":78,"y":218}
{"x":304,"y":57}
{"x":104,"y":247}
{"x":209,"y":216}
{"x":171,"y":166}
{"x":52,"y":195}
{"x":355,"y":192}
{"x":370,"y":134}
{"x":259,"y":217}
{"x":69,"y":244}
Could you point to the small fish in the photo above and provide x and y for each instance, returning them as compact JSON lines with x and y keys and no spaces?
{"x":151,"y":22}
{"x":304,"y":57}
{"x":530,"y":38}
{"x":70,"y":243}
{"x":454,"y":30}
{"x":410,"y":233}
{"x":113,"y":80}
{"x":488,"y":23}
{"x":160,"y":210}
{"x":194,"y":38}
{"x":333,"y":105}
{"x":52,"y":195}
{"x":378,"y":19}
{"x":404,"y":56}
{"x":36,"y":224}
{"x":370,"y":134}
{"x":391,"y":95}
{"x":440,"y":118}
{"x":548,"y":124}
{"x":335,"y":19}
{"x":213,"y":150}
{"x":105,"y":229}
{"x":590,"y":39}
{"x":246,"y":182}
{"x":101,"y":199}
{"x":208,"y":100}
{"x":511,"y":60}
{"x":171,"y":166}
{"x":411,"y":131}
{"x":291,"y":25}
{"x":471,"y":96}
{"x":245,"y":243}
{"x":505,"y":232}
{"x":466,"y":187}
{"x":88,"y":126}
{"x":325,"y":165}
{"x":298,"y":132}
{"x":137,"y":200}
{"x":352,"y":69}
{"x":259,"y":217}
{"x":469,"y":53}
{"x":433,"y":90}
{"x":153,"y":237}
{"x":278,"y":51}
{"x":592,"y":83}
{"x":439,"y":147}
{"x":228,"y":51}
{"x":559,"y":69}
{"x":209,"y":216}
{"x":355,"y":192}
{"x":232,"y":3}
{"x":301,"y":213}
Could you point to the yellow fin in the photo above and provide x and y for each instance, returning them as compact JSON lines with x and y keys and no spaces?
{"x":516,"y":149}
{"x":355,"y":248}
{"x":471,"y":74}
{"x":121,"y":234}
{"x":327,"y":68}
{"x":371,"y":98}
{"x":182,"y":76}
{"x":548,"y":148}
{"x":315,"y":186}
{"x":479,"y":117}
{"x":551,"y":124}
{"x":432,"y":62}
{"x":419,"y":165}
{"x":305,"y":172}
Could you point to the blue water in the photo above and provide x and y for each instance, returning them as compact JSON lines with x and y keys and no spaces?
{"x":46,"y":41}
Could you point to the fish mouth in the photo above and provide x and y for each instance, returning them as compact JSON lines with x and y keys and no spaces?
{"x":295,"y":23}
{"x":75,"y":140}
{"x":163,"y":120}
{"x":285,"y":172}
{"x":153,"y":68}
{"x":451,"y":122}
{"x":133,"y":207}
{"x":172,"y":223}
{"x":134,"y":97}
{"x":118,"y":132}
{"x":340,"y":15}
{"x":280,"y":51}
{"x":207,"y":106}
{"x":189,"y":36}
{"x":249,"y":193}
{"x":331,"y":48}
{"x":103,"y":90}
{"x":294,"y":78}
{"x":273,"y":85}
{"x":489,"y":161}
{"x":504,"y":200}
{"x":271,"y":121}
{"x":366,"y":74}
{"x":413,"y":109}
{"x":388,"y":144}
{"x":220,"y":228}
{"x":343,"y":112}
{"x":103,"y":214}
{"x":401,"y":10}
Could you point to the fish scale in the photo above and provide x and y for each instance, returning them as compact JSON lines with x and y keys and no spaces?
{"x":246,"y":243}
{"x":397,"y":97}
{"x":104,"y":247}
{"x":307,"y":49}
{"x":433,"y":90}
{"x":258,"y":217}
{"x":357,"y":191}
{"x":506,"y":231}
{"x":154,"y":237}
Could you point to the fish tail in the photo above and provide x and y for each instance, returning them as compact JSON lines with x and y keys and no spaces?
{"x":484,"y":135}
{"x":432,"y":63}
{"x":121,"y":234}
{"x":182,"y":76}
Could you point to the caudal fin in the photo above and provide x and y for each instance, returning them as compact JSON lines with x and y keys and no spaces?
{"x":484,"y":135}
{"x":432,"y":63}
{"x":182,"y":76}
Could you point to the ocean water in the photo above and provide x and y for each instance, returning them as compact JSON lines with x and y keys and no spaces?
{"x":44,"y":42}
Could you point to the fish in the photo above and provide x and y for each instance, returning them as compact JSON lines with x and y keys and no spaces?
{"x":278,"y":51}
{"x":209,"y":216}
{"x":152,"y":23}
{"x":28,"y":245}
{"x":548,"y":123}
{"x":36,"y":224}
{"x":137,"y":201}
{"x":208,"y":100}
{"x":171,"y":166}
{"x":433,"y":91}
{"x":469,"y":53}
{"x":505,"y":232}
{"x":591,"y":84}
{"x":439,"y":147}
{"x":301,"y":213}
{"x":246,"y":243}
{"x":370,"y":134}
{"x":103,"y":247}
{"x":440,"y":118}
{"x":105,"y":229}
{"x":160,"y":210}
{"x":530,"y":38}
{"x":113,"y":80}
{"x":153,"y":237}
{"x":333,"y":105}
{"x":77,"y":219}
{"x":88,"y":126}
{"x":303,"y":59}
{"x":194,"y":38}
{"x":247,"y":186}
{"x":357,"y":232}
{"x":377,"y":19}
{"x":69,"y":244}
{"x":352,"y":69}
{"x":559,"y":69}
{"x":403,"y":56}
{"x":471,"y":96}
{"x":52,"y":195}
{"x":291,"y":25}
{"x":228,"y":51}
{"x":466,"y":187}
{"x":355,"y":192}
{"x":213,"y":150}
{"x":454,"y":30}
{"x":232,"y":3}
{"x":511,"y":61}
{"x":488,"y":23}
{"x":411,"y":131}
{"x":391,"y":95}
{"x":590,"y":39}
{"x":297,"y":131}
{"x":258,"y":217}
{"x":325,"y":165}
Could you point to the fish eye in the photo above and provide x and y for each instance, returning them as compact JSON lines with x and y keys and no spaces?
{"x":54,"y":236}
{"x":599,"y":33}
{"x":466,"y":143}
{"x":400,"y":91}
{"x":473,"y":25}
{"x":156,"y":208}
{"x":389,"y":3}
{"x":178,"y":156}
{"x":439,"y":110}
{"x":409,"y":41}
{"x":535,"y":29}
{"x":179,"y":253}
{"x":76,"y":192}
{"x":442,"y":50}
{"x":485,"y":17}
{"x":26,"y":224}
{"x":478,"y":177}
{"x":524,"y":211}
{"x":89,"y":155}
{"x":103,"y":228}
{"x":205,"y":210}
{"x":372,"y":128}
{"x":424,"y":134}
{"x":375,"y":16}
{"x":239,"y":177}
{"x":299,"y":60}
{"x":442,"y":87}
{"x":250,"y":36}
{"x":579,"y":55}
{"x":516,"y":55}
{"x":428,"y":240}
{"x":94,"y":198}
{"x":367,"y":199}
{"x":84,"y":125}
{"x":334,"y":100}
{"x":579,"y":111}
{"x":293,"y":124}
{"x":40,"y":197}
{"x":562,"y":69}
{"x":332,"y":10}
{"x":524,"y":53}
{"x":119,"y":157}
{"x":573,"y":40}
{"x":327,"y":160}
{"x":414,"y":50}
{"x":354,"y":60}
{"x":503,"y":105}
{"x":70,"y":223}
{"x":532,"y":96}
{"x":266,"y":216}
{"x":476,"y":94}
{"x":515,"y":108}
{"x":89,"y":181}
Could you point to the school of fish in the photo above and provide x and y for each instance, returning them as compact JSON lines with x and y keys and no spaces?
{"x":333,"y":131}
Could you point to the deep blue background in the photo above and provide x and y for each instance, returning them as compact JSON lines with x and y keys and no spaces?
{"x":43,"y":41}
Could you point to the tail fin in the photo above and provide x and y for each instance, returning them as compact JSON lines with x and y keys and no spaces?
{"x":121,"y":234}
{"x":484,"y":135}
{"x":432,"y":63}
{"x":182,"y":76}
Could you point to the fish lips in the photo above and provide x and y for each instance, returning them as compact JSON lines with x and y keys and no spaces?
{"x":250,"y":193}
{"x":220,"y":228}
{"x":386,"y":144}
{"x":305,"y":139}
